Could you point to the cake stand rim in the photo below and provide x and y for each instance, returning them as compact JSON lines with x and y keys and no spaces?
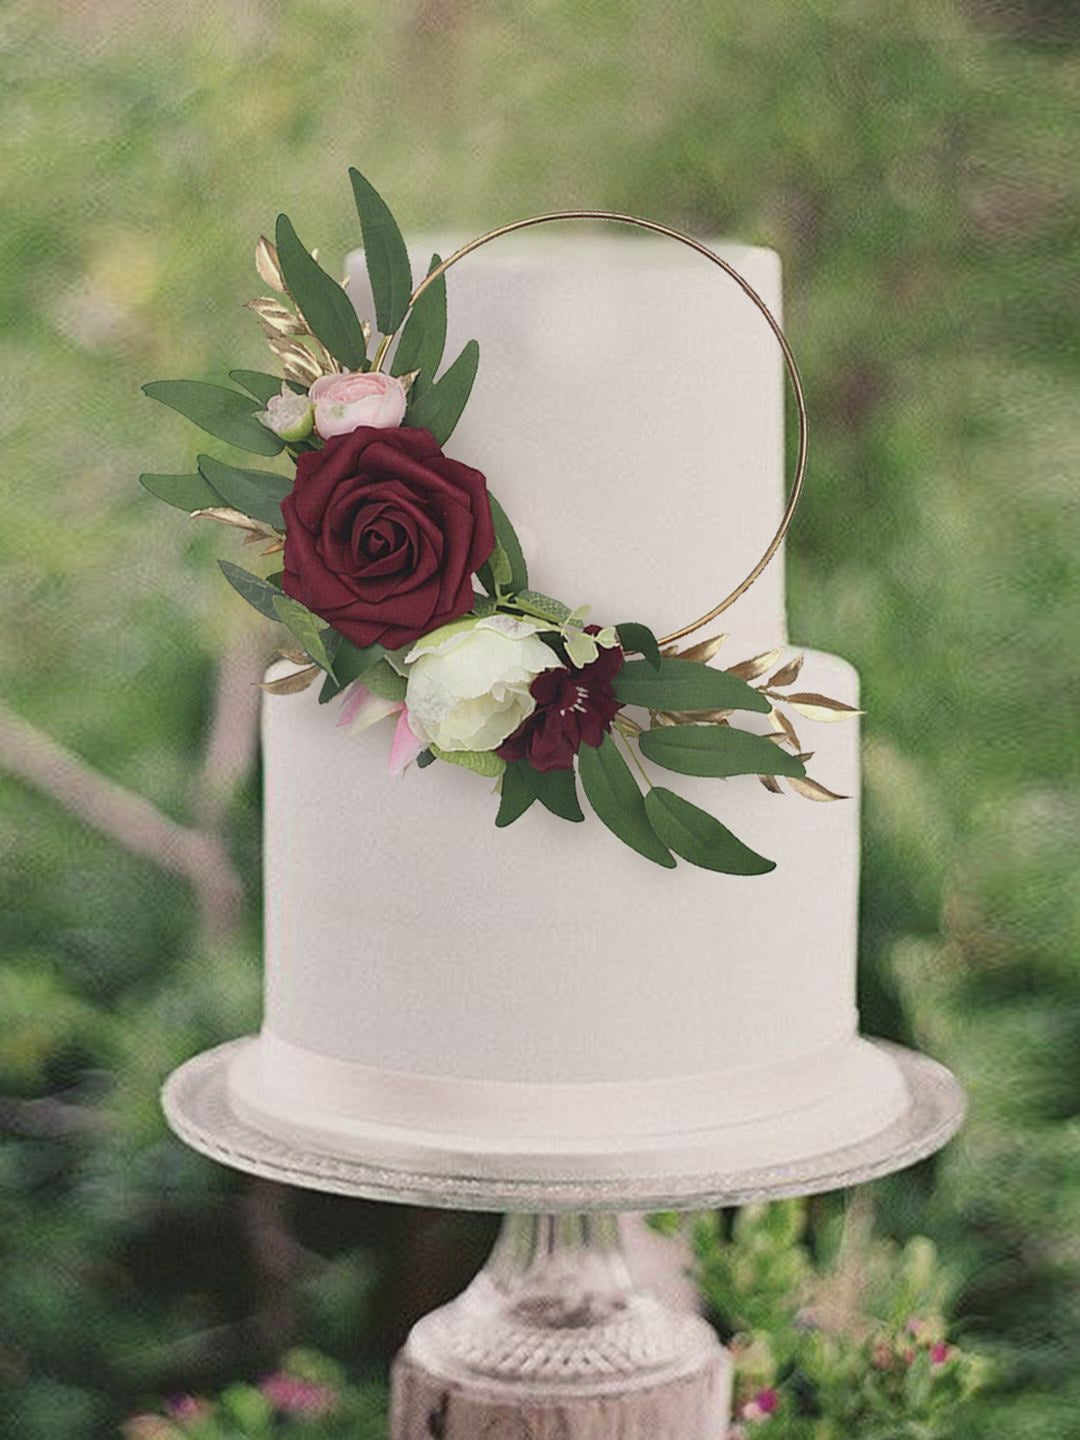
{"x":196,"y":1104}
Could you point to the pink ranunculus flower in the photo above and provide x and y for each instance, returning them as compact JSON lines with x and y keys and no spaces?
{"x":345,"y":402}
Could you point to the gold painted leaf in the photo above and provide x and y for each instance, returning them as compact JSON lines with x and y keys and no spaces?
{"x":274,"y":317}
{"x":820,"y":707}
{"x":266,"y":262}
{"x":703,"y":651}
{"x":291,"y":684}
{"x":806,"y":756}
{"x":298,"y":363}
{"x":227,"y":516}
{"x":778,"y":737}
{"x":812,"y":790}
{"x":365,"y":326}
{"x":407,"y":380}
{"x":698,"y":717}
{"x":779,"y":718}
{"x":298,"y":657}
{"x":787,"y":674}
{"x":771,"y":784}
{"x":751,"y":669}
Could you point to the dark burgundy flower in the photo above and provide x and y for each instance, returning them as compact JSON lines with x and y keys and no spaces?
{"x":383,"y":533}
{"x":573,"y":708}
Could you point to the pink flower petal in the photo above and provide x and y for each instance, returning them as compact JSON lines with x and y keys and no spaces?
{"x":406,"y":747}
{"x":362,"y":708}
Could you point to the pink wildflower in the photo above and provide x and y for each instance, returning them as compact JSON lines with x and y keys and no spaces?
{"x":293,"y":1396}
{"x":940,"y":1353}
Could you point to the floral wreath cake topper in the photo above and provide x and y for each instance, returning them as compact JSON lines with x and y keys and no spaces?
{"x":404,"y":588}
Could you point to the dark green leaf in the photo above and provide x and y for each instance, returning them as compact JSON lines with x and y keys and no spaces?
{"x":263,"y":386}
{"x":257,"y":592}
{"x":717,"y":750}
{"x":224,"y":413}
{"x":556,"y":790}
{"x":350,"y":662}
{"x":186,"y":492}
{"x":385,"y":255}
{"x":326,"y":306}
{"x":257,"y":493}
{"x":641,"y":639}
{"x":438,"y":407}
{"x":685,"y":685}
{"x":424,"y":336}
{"x":506,"y":536}
{"x":516,"y":796}
{"x":307,"y":628}
{"x":614,"y":795}
{"x":424,"y":759}
{"x":483,"y":605}
{"x":697,"y":837}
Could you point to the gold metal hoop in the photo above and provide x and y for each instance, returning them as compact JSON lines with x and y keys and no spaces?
{"x":751,"y":294}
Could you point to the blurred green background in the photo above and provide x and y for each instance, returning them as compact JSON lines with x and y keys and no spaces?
{"x":907,"y":160}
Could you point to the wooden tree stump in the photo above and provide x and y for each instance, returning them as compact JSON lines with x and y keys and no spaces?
{"x":694,"y":1406}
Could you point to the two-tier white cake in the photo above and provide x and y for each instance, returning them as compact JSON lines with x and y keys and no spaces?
{"x":455,"y":999}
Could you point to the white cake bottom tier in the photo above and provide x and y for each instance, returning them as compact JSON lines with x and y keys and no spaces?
{"x":405,"y":935}
{"x":774,"y":1115}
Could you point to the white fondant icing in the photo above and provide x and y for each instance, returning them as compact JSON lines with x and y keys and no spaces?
{"x":437,"y":987}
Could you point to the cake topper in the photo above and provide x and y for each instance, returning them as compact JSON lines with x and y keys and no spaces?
{"x":384,"y":538}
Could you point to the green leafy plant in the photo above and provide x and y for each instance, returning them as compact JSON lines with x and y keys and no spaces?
{"x":842,"y":1339}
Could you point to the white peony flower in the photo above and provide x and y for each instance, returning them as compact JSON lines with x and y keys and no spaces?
{"x":289,"y":415}
{"x":468,"y":683}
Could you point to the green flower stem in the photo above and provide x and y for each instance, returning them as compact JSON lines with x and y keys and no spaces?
{"x":636,"y":759}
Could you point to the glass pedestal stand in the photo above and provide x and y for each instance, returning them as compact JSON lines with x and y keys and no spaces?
{"x":552,"y":1339}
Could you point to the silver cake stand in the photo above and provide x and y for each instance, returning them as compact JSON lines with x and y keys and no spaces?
{"x":553,"y":1340}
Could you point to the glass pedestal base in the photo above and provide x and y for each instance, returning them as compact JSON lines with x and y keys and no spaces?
{"x":553,"y":1337}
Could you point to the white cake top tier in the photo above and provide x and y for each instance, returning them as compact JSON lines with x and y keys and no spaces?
{"x":628,"y":412}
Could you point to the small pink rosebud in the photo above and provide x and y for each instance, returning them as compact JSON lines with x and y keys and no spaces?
{"x":940,"y":1353}
{"x":345,"y":402}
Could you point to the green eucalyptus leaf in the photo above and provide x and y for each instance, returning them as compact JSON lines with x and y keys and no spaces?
{"x":186,"y":492}
{"x":385,"y":255}
{"x":438,"y":407}
{"x":307,"y":628}
{"x":264,"y":386}
{"x":698,"y":837}
{"x":256,"y":591}
{"x":219,"y":411}
{"x":685,"y":685}
{"x":326,"y":306}
{"x":613,"y":793}
{"x":500,"y":570}
{"x":717,"y":750}
{"x":483,"y":605}
{"x":423,"y":337}
{"x":257,"y":493}
{"x":382,"y":679}
{"x":545,"y":606}
{"x":480,"y":762}
{"x":515,"y":797}
{"x":640,"y":639}
{"x":556,"y":790}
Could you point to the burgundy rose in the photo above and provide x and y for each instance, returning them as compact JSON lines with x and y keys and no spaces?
{"x":573,"y":708}
{"x":383,"y":534}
